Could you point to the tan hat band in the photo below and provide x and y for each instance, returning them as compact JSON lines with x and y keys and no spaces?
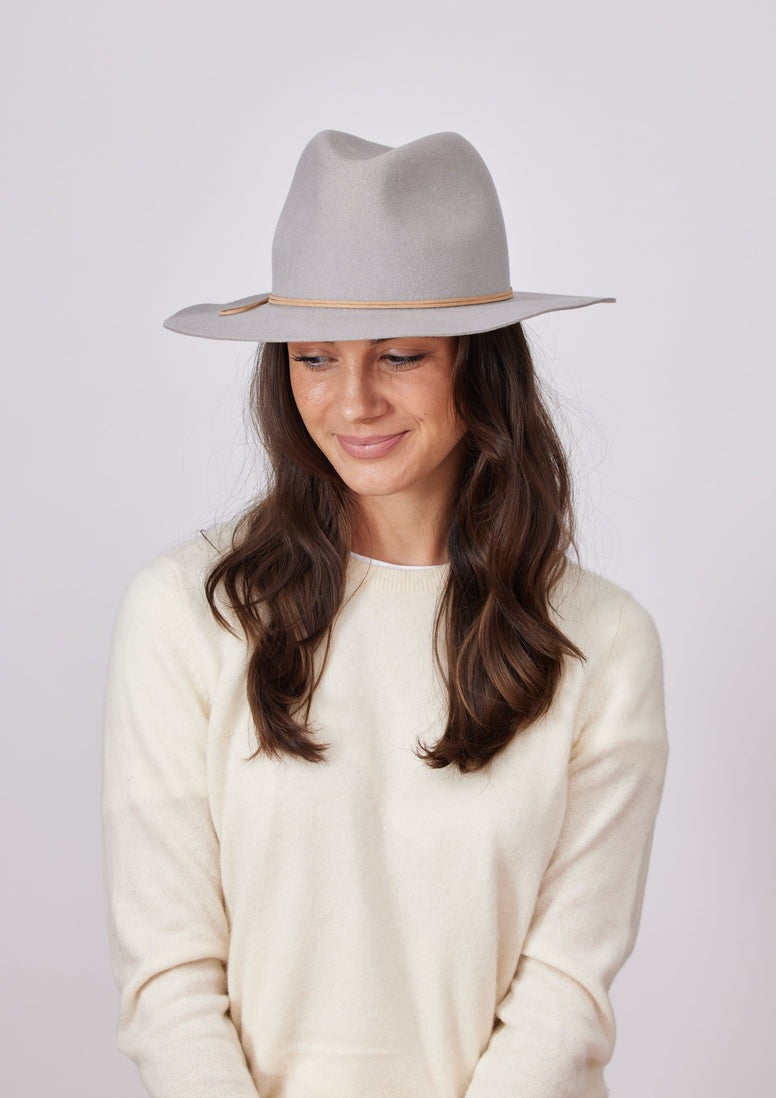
{"x":428,"y":303}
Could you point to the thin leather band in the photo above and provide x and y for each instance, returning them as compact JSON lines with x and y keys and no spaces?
{"x":430,"y":303}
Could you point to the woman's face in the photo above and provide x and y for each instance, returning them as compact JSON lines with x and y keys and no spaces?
{"x":381,"y":411}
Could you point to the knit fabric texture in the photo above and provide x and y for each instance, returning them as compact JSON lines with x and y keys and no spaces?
{"x":370,"y":927}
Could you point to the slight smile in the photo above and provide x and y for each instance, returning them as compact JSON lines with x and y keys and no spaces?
{"x":369,"y":447}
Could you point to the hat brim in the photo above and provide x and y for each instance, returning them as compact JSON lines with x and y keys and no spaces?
{"x":268,"y":322}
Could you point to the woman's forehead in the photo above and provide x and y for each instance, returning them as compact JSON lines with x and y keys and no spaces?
{"x":368,"y":342}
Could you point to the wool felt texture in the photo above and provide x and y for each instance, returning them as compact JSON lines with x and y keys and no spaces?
{"x":370,"y":925}
{"x":366,"y":222}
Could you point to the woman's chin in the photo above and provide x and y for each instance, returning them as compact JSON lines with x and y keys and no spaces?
{"x":373,"y":486}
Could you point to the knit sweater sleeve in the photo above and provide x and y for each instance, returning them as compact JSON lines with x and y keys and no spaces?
{"x":554,"y":1029}
{"x":168,"y":930}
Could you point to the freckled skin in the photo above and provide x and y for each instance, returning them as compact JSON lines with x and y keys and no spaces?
{"x":356,"y":390}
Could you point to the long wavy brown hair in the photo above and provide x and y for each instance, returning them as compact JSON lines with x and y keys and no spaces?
{"x":509,"y":527}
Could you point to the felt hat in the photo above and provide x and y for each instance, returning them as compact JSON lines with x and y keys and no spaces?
{"x":376,"y":241}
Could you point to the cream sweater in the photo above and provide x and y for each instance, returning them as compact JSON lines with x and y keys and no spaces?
{"x":369,"y":927}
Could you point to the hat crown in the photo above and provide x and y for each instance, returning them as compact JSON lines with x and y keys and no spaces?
{"x":364,"y":221}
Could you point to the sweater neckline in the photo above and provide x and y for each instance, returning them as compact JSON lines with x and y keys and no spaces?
{"x":387,"y":564}
{"x":397,"y":577}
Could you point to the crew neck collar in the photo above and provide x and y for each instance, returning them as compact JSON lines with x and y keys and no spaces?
{"x":397,"y":577}
{"x":387,"y":564}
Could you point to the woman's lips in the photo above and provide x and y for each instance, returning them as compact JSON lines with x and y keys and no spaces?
{"x":374,"y":446}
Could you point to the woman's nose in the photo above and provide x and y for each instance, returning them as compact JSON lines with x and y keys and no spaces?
{"x":360,"y":394}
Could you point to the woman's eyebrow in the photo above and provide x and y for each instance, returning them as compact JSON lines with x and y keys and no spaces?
{"x":332,"y":342}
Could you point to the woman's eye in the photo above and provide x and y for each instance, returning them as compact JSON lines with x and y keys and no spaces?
{"x":402,"y":360}
{"x":316,"y":362}
{"x":312,"y":361}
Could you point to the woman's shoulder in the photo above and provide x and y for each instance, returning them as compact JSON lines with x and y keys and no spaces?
{"x":172,"y":582}
{"x":194,"y":555}
{"x":592,"y":610}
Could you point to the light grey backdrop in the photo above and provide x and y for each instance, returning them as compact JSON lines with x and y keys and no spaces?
{"x":147,"y":151}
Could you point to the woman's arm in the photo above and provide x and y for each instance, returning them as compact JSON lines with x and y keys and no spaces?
{"x":168,"y":930}
{"x":554,"y":1029}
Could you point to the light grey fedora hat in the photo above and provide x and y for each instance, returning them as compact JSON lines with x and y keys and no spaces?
{"x":375,"y":241}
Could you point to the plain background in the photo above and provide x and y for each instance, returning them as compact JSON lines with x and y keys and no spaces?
{"x":147,"y":151}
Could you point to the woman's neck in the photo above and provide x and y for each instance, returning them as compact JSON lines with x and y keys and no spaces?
{"x":416,"y":544}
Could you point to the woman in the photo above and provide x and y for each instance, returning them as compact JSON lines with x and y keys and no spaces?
{"x":382,"y":764}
